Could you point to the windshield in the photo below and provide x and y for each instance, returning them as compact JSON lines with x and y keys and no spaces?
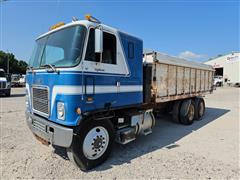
{"x":60,"y":49}
{"x":2,"y":74}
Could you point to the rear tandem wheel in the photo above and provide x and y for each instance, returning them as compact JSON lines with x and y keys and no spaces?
{"x":187,"y":112}
{"x":199,"y":108}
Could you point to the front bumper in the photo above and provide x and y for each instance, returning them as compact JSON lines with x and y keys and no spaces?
{"x":48,"y":131}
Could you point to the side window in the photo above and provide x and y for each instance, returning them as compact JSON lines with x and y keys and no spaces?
{"x":130,"y":50}
{"x":90,"y":53}
{"x":109,"y":48}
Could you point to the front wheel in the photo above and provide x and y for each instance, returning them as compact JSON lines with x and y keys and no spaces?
{"x":92,"y":144}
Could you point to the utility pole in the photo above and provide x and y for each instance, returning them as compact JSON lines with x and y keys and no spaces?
{"x":7,"y":62}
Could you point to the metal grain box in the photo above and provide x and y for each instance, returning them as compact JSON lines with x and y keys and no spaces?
{"x":174,"y":78}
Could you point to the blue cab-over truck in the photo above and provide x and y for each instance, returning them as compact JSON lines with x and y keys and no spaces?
{"x":89,"y":84}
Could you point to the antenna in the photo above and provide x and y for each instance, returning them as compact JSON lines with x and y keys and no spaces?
{"x":74,"y":18}
{"x":92,"y":19}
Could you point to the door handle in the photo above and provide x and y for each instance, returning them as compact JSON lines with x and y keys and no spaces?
{"x":118,"y":86}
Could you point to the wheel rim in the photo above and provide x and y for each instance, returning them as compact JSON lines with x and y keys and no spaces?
{"x":191,"y":112}
{"x":201,"y":109}
{"x":95,"y":142}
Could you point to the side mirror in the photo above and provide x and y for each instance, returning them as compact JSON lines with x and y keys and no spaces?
{"x":98,"y":41}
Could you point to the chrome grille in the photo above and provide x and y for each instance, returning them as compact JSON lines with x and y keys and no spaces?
{"x":40,"y":100}
{"x":2,"y":84}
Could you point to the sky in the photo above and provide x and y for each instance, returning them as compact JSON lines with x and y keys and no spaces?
{"x":195,"y":30}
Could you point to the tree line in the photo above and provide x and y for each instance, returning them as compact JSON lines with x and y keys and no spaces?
{"x":15,"y":66}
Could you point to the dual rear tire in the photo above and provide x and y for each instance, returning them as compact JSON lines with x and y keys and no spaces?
{"x":188,"y":110}
{"x":199,"y":108}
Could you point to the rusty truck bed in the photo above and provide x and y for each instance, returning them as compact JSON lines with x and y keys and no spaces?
{"x":170,"y":78}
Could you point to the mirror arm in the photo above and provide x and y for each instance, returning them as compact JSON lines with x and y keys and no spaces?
{"x":101,"y":57}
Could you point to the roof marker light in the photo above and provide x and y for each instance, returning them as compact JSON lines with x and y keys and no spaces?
{"x":57,"y":25}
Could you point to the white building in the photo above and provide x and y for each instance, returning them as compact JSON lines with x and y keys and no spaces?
{"x":227,"y":66}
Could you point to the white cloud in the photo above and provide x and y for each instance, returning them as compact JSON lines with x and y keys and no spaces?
{"x":192,"y":56}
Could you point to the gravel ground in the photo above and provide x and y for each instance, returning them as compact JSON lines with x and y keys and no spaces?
{"x":207,"y":149}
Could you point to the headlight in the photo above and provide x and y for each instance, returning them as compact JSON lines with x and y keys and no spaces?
{"x":60,"y":111}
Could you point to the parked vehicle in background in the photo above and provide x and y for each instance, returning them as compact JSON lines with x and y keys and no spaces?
{"x":18,"y":80}
{"x":218,"y":81}
{"x":22,"y":80}
{"x":5,"y":83}
{"x":15,"y":80}
{"x":88,"y":85}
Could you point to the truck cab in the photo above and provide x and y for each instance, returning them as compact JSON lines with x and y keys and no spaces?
{"x":66,"y":67}
{"x":5,"y":83}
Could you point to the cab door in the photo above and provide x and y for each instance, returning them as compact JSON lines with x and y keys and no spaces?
{"x":105,"y":69}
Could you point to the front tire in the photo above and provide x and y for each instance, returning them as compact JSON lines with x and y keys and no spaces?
{"x":93,"y":143}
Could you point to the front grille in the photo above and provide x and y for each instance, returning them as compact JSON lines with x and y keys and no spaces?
{"x":2,"y":84}
{"x":40,"y":100}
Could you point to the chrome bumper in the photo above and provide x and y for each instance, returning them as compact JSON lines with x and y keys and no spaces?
{"x":48,"y":131}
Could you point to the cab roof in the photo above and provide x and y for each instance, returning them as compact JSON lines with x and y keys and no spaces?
{"x":85,"y":23}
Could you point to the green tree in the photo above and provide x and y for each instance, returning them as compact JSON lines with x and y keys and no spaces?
{"x":15,"y":66}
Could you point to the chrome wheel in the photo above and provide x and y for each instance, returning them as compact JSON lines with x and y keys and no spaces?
{"x":95,"y":143}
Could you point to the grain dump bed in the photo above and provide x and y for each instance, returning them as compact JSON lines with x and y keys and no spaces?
{"x":169,"y":78}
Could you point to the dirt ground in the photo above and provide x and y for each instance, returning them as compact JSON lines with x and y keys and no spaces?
{"x":207,"y":149}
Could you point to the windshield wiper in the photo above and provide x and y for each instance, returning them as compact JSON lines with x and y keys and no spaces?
{"x":52,"y":67}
